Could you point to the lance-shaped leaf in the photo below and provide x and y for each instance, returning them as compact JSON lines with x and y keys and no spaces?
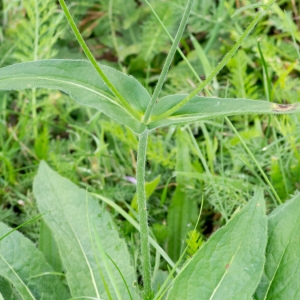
{"x":200,"y":108}
{"x":79,"y":79}
{"x":25,"y":267}
{"x":230,"y":264}
{"x":85,"y":233}
{"x":282,"y":272}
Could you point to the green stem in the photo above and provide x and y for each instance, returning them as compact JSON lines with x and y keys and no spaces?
{"x":168,"y":61}
{"x":143,"y":215}
{"x":91,"y":58}
{"x":219,"y":67}
{"x":135,"y":224}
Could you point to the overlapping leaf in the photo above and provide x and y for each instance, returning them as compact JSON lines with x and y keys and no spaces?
{"x":282,"y":273}
{"x":230,"y":264}
{"x":84,"y":232}
{"x":200,"y":108}
{"x":79,"y":79}
{"x":26,"y":268}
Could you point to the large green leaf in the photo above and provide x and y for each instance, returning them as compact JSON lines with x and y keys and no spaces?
{"x":200,"y":108}
{"x":25,"y":267}
{"x":74,"y":217}
{"x":182,"y":213}
{"x":282,"y":272}
{"x":230,"y":264}
{"x":79,"y":79}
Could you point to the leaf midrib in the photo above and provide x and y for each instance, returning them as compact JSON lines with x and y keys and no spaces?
{"x":67,"y":82}
{"x":279,"y":263}
{"x":78,"y":241}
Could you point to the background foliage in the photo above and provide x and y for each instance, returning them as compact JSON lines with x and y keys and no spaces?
{"x":98,"y":154}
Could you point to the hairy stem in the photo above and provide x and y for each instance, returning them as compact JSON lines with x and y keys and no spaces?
{"x":143,"y":214}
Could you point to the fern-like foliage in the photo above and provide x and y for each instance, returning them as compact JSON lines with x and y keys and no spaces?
{"x":153,"y":37}
{"x":194,"y":242}
{"x":31,"y":28}
{"x":36,"y":34}
{"x":243,"y":83}
{"x":9,"y":17}
{"x":158,"y":153}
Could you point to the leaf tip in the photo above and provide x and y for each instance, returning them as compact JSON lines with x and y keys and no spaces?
{"x":281,"y":108}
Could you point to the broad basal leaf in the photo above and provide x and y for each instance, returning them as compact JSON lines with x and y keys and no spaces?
{"x":25,"y":267}
{"x":200,"y":108}
{"x":230,"y":264}
{"x":282,"y":272}
{"x":75,"y":218}
{"x":79,"y":79}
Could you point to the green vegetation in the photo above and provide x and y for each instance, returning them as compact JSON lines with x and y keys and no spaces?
{"x":185,"y":119}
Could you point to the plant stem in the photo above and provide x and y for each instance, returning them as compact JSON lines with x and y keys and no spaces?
{"x":142,"y":210}
{"x":219,"y":67}
{"x":91,"y":58}
{"x":135,"y":224}
{"x":168,"y":61}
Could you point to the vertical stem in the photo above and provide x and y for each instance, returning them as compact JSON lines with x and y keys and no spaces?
{"x":143,"y":215}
